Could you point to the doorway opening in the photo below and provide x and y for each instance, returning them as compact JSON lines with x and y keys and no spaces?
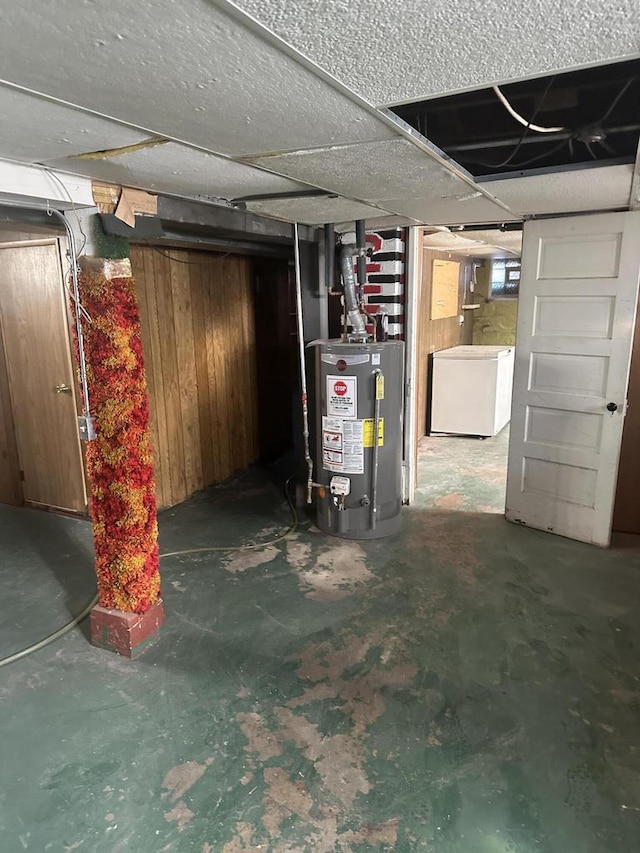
{"x":570,"y":450}
{"x":467,"y":312}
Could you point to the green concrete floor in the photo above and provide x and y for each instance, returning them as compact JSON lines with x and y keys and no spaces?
{"x":466,"y":687}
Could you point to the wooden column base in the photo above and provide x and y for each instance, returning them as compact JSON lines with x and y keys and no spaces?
{"x":128,"y":634}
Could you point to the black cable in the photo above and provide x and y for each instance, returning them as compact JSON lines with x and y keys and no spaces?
{"x":616,"y":100}
{"x":524,"y":134}
{"x":594,"y":156}
{"x":540,"y":156}
{"x":603,"y":118}
{"x":608,"y":148}
{"x":181,"y":260}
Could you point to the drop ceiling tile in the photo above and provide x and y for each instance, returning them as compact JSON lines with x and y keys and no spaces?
{"x":178,"y":170}
{"x":314,"y":211}
{"x":510,"y":240}
{"x":451,"y":211}
{"x":600,"y":188}
{"x":371,"y":171}
{"x":378,"y":223}
{"x":408,"y":50}
{"x":466,"y":244}
{"x":189,"y":71}
{"x":34,"y":130}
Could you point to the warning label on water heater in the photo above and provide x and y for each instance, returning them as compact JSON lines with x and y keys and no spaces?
{"x":342,"y":396}
{"x":342,"y":446}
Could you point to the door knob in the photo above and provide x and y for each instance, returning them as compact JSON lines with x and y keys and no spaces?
{"x":63,"y":389}
{"x":612,"y":407}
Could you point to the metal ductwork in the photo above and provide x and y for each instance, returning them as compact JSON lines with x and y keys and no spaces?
{"x":354,"y":315}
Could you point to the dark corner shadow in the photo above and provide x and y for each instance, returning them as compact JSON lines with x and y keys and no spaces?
{"x":629,"y":542}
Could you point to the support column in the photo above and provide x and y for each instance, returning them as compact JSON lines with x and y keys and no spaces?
{"x":119,"y":459}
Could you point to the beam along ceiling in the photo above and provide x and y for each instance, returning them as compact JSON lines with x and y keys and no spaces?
{"x":243,"y":113}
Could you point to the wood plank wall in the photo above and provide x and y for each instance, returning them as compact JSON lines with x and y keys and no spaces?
{"x":198,"y":336}
{"x":434,"y":335}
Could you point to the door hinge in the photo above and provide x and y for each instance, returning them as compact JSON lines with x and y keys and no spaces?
{"x":21,"y":474}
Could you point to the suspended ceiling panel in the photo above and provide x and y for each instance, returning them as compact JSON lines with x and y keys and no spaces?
{"x":176,"y":169}
{"x":468,"y":210}
{"x":601,"y":188}
{"x":508,"y":240}
{"x":406,"y":50}
{"x":314,"y":211}
{"x":371,"y":171}
{"x":188,"y":71}
{"x":33,"y":130}
{"x":378,"y":223}
{"x":470,"y":244}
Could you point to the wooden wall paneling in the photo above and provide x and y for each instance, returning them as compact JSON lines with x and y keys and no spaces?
{"x":219,"y":326}
{"x":214,"y":384}
{"x":170,"y":378}
{"x":244,"y":356}
{"x":196,"y":310}
{"x":207,"y":452}
{"x":180,"y":268}
{"x":251,"y":363}
{"x":435,"y":334}
{"x":229,"y":274}
{"x":241,"y":356}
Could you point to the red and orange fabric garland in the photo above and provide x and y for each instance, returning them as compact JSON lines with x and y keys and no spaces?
{"x":119,"y":459}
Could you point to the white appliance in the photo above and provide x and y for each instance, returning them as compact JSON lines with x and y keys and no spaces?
{"x":471,"y":390}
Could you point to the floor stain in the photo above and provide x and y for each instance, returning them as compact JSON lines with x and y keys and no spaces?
{"x":339,"y":570}
{"x":260,"y":740}
{"x":183,"y":777}
{"x":244,"y":560}
{"x":180,"y":814}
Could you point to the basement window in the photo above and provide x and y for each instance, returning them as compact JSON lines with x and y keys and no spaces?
{"x":505,"y":278}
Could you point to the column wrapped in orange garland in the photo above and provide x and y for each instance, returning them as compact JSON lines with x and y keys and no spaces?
{"x":119,"y":460}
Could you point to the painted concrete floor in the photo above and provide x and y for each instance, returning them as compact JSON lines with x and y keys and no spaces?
{"x":466,"y":687}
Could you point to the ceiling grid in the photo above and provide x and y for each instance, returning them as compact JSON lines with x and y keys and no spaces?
{"x":246,"y":114}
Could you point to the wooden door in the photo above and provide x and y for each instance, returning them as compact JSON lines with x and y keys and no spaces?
{"x":578,"y":295}
{"x":42,"y":386}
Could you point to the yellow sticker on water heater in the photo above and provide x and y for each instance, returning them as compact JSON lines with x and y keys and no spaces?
{"x":380,"y":386}
{"x":367,"y":432}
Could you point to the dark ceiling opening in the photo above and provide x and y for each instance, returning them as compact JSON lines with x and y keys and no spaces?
{"x":571,"y":120}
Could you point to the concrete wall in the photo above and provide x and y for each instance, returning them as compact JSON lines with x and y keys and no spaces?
{"x":494,"y":322}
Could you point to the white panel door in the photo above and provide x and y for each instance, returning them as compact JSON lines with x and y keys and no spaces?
{"x":578,"y":293}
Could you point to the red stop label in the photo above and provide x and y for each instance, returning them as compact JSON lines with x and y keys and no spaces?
{"x":340,"y":388}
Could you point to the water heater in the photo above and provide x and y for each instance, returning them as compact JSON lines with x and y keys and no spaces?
{"x":359,"y":404}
